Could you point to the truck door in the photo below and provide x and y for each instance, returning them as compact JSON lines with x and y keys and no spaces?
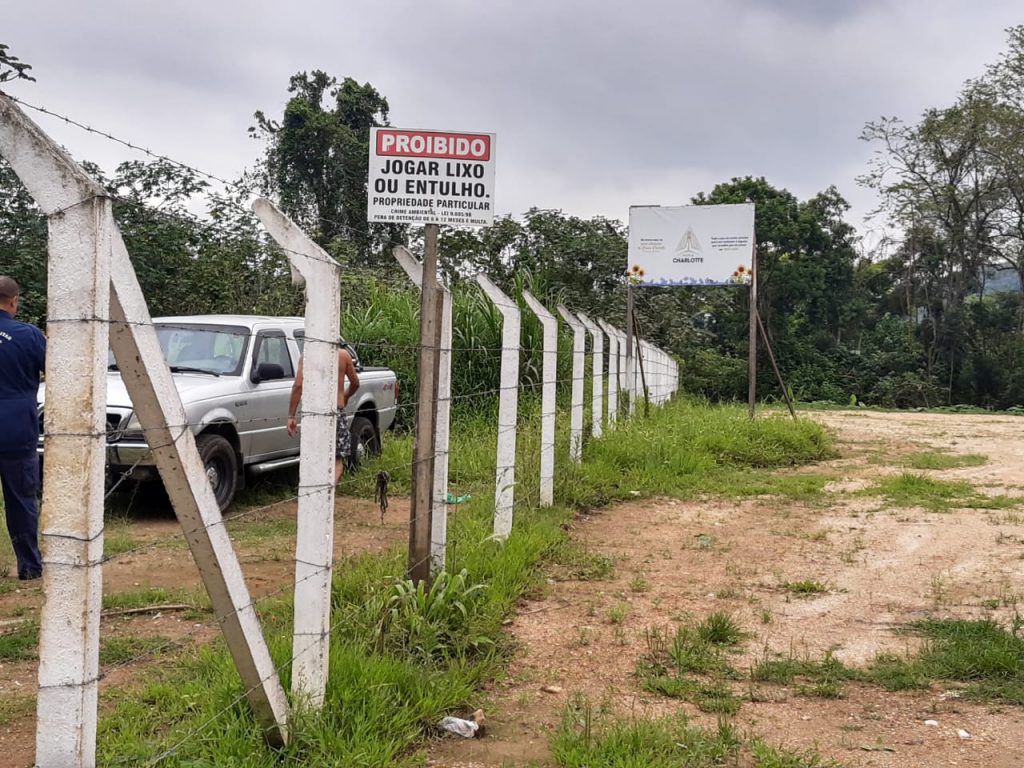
{"x":268,"y":397}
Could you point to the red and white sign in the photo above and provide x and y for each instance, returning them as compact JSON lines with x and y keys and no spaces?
{"x":431,"y":177}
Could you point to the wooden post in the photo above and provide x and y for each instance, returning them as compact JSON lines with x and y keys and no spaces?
{"x":442,"y":424}
{"x":426,"y":413}
{"x":752,"y":361}
{"x":775,"y":366}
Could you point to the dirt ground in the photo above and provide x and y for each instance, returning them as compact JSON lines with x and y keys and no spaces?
{"x":678,"y":562}
{"x":882,"y":567}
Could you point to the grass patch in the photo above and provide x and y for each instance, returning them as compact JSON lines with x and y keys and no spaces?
{"x":987,"y":658}
{"x":764,"y":755}
{"x":121,"y":650}
{"x":586,"y":739}
{"x":667,"y":667}
{"x":248,"y":529}
{"x":580,"y":564}
{"x":153,"y":596}
{"x":913,"y":490}
{"x":805,"y":588}
{"x":822,"y":678}
{"x":720,"y":629}
{"x":20,"y":644}
{"x":117,"y":537}
{"x":14,"y":707}
{"x":685,"y":449}
{"x":944,"y":460}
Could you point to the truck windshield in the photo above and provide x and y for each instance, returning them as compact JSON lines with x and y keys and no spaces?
{"x":216,"y":349}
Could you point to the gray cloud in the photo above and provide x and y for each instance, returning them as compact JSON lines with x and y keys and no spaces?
{"x":596,"y":104}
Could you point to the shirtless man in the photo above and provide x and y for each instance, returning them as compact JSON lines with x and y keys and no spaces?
{"x":343,"y":433}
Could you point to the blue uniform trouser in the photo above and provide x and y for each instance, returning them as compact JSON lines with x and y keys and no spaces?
{"x":19,"y":475}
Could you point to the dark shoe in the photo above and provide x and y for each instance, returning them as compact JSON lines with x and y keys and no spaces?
{"x":30,"y":576}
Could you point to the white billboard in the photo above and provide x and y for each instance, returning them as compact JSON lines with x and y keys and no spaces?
{"x":691,"y":244}
{"x":431,"y":177}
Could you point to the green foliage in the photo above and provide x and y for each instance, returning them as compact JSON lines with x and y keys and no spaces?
{"x":431,"y":624}
{"x":316,"y":162}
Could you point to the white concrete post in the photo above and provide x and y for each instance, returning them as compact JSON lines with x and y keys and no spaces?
{"x":659,"y":374}
{"x":652,"y":371}
{"x":649,"y":368}
{"x":597,"y":367}
{"x":578,"y":365}
{"x":160,"y":412}
{"x":79,"y":222}
{"x":442,"y":429}
{"x":613,"y":371}
{"x":508,"y":407}
{"x":631,"y":372}
{"x":549,"y":373}
{"x":314,"y":537}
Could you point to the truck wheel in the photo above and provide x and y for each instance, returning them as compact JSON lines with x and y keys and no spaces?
{"x":365,"y":441}
{"x":221,"y":465}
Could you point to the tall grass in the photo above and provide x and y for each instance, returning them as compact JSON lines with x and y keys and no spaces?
{"x":401,"y":657}
{"x":383,"y":324}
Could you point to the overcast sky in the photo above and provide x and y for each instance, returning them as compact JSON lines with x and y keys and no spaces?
{"x":596,"y":105}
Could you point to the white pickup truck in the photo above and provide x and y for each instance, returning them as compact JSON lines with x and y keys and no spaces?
{"x":234,"y":374}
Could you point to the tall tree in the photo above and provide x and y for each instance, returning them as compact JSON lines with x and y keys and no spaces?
{"x":316,"y":161}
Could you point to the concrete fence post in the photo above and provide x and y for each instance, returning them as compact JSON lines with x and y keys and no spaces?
{"x":508,"y":407}
{"x":597,"y":367}
{"x":160,"y":412}
{"x":654,"y":379}
{"x":80,"y":223}
{"x":549,"y":373}
{"x":613,"y":371}
{"x":314,"y":538}
{"x":442,"y":430}
{"x":578,"y":364}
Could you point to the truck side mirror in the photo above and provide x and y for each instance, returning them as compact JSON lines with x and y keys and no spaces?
{"x":266,"y":372}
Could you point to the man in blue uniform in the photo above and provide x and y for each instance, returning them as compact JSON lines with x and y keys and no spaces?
{"x":22,"y":357}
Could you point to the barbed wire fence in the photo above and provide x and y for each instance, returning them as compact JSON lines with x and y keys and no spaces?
{"x":480,"y":399}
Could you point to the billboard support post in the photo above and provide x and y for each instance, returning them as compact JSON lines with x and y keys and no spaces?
{"x":752,"y":356}
{"x":775,"y":366}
